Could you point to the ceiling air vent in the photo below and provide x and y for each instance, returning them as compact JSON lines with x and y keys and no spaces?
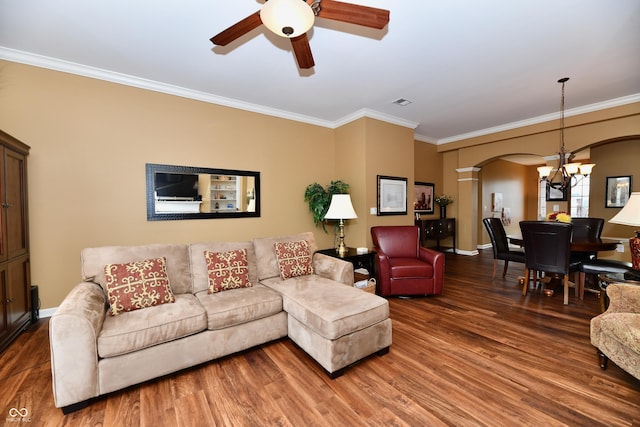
{"x":402,"y":102}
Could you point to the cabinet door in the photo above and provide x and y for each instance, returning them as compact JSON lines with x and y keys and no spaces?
{"x":18,"y":288}
{"x":3,"y":302}
{"x":14,"y":205}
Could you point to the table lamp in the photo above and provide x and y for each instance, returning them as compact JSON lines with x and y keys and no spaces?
{"x":630,"y":215}
{"x":341,"y":209}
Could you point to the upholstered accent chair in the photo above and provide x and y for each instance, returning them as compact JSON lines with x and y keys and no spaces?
{"x":500,"y":243}
{"x":403,"y":267}
{"x":615,"y":332}
{"x":547,"y":248}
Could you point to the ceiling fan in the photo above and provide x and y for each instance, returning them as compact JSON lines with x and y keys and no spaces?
{"x":293,"y":18}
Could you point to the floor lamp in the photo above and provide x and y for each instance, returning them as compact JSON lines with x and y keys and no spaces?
{"x":341,"y":209}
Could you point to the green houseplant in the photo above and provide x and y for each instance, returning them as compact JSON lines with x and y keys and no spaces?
{"x":319,"y":199}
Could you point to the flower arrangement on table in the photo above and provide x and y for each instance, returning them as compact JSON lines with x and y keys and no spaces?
{"x":559,"y":217}
{"x":443,"y":200}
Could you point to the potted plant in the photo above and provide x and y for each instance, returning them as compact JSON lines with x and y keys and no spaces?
{"x":319,"y":199}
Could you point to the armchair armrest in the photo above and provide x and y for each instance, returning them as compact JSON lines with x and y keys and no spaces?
{"x":333,"y":268}
{"x":73,"y":336}
{"x":436,"y":259}
{"x":623,"y":298}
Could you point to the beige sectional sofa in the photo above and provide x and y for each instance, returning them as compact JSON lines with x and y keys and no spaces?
{"x":94,"y":353}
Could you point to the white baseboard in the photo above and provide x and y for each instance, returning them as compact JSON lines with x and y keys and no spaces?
{"x":469,"y":253}
{"x":47,"y":312}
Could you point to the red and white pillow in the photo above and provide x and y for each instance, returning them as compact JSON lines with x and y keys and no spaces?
{"x":227,"y":270}
{"x":138,"y":284}
{"x":294,"y":258}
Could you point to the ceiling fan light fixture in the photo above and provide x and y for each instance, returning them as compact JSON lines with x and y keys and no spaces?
{"x":287,"y":18}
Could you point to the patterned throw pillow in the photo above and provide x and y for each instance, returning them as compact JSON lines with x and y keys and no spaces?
{"x":294,"y":258}
{"x":227,"y":270}
{"x":137,"y":285}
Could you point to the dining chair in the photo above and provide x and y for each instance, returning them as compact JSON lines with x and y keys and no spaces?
{"x":499,"y":241}
{"x":587,"y":228}
{"x":547,"y":249}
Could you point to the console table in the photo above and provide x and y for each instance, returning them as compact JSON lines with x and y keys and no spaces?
{"x":437,"y":229}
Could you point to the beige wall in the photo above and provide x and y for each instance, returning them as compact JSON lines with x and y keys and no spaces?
{"x":508,"y":179}
{"x":617,"y":158}
{"x":90,"y":141}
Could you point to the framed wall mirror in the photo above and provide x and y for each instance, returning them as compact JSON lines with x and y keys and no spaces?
{"x":187,"y":192}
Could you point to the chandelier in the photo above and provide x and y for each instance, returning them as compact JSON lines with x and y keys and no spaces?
{"x":565,"y":173}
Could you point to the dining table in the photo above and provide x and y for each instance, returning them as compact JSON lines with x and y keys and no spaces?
{"x":578,"y":245}
{"x":598,"y":244}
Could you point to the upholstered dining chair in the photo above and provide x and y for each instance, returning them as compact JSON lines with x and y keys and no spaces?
{"x":403,"y":267}
{"x":590,"y":265}
{"x":587,"y":228}
{"x":500,"y":243}
{"x":547,"y":249}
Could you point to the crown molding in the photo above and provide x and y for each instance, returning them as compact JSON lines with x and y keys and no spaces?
{"x":629,"y":99}
{"x":128,"y":80}
{"x":365,"y":112}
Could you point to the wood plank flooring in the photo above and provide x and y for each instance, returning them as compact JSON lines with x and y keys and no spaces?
{"x":480,"y":354}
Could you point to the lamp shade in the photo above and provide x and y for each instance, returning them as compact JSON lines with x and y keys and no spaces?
{"x":630,"y":213}
{"x":287,"y":18}
{"x":545,"y":171}
{"x":572,"y":168}
{"x":340,"y":207}
{"x":586,"y":168}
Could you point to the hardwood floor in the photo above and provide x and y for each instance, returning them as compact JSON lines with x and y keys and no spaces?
{"x":480,"y":354}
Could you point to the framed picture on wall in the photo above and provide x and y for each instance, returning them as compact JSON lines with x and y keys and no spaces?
{"x":555,"y":192}
{"x":392,"y":195}
{"x":423,"y":197}
{"x":618,"y":191}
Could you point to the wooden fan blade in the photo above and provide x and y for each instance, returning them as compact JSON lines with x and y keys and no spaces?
{"x":355,"y":14}
{"x":302,"y":50}
{"x":237,"y":30}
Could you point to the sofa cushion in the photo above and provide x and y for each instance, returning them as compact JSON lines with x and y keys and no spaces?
{"x":140,"y":329}
{"x":93,"y":260}
{"x":199,"y":265}
{"x":624,"y":327}
{"x":329,"y":308}
{"x":238,"y":306}
{"x":227,"y":270}
{"x":267,"y":262}
{"x":137,"y":285}
{"x":294,"y":258}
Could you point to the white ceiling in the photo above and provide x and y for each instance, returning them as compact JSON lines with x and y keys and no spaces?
{"x":467,"y":66}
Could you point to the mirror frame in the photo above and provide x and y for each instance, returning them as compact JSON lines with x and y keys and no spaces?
{"x":152,"y":168}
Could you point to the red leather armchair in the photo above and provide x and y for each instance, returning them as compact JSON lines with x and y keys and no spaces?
{"x":404,"y":267}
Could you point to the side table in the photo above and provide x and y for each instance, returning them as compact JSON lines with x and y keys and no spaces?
{"x":605,"y":280}
{"x":364,"y":260}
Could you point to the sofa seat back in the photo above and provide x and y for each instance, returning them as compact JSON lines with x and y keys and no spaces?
{"x":266,"y":253}
{"x":135,"y":330}
{"x":93,"y":260}
{"x":199,"y":264}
